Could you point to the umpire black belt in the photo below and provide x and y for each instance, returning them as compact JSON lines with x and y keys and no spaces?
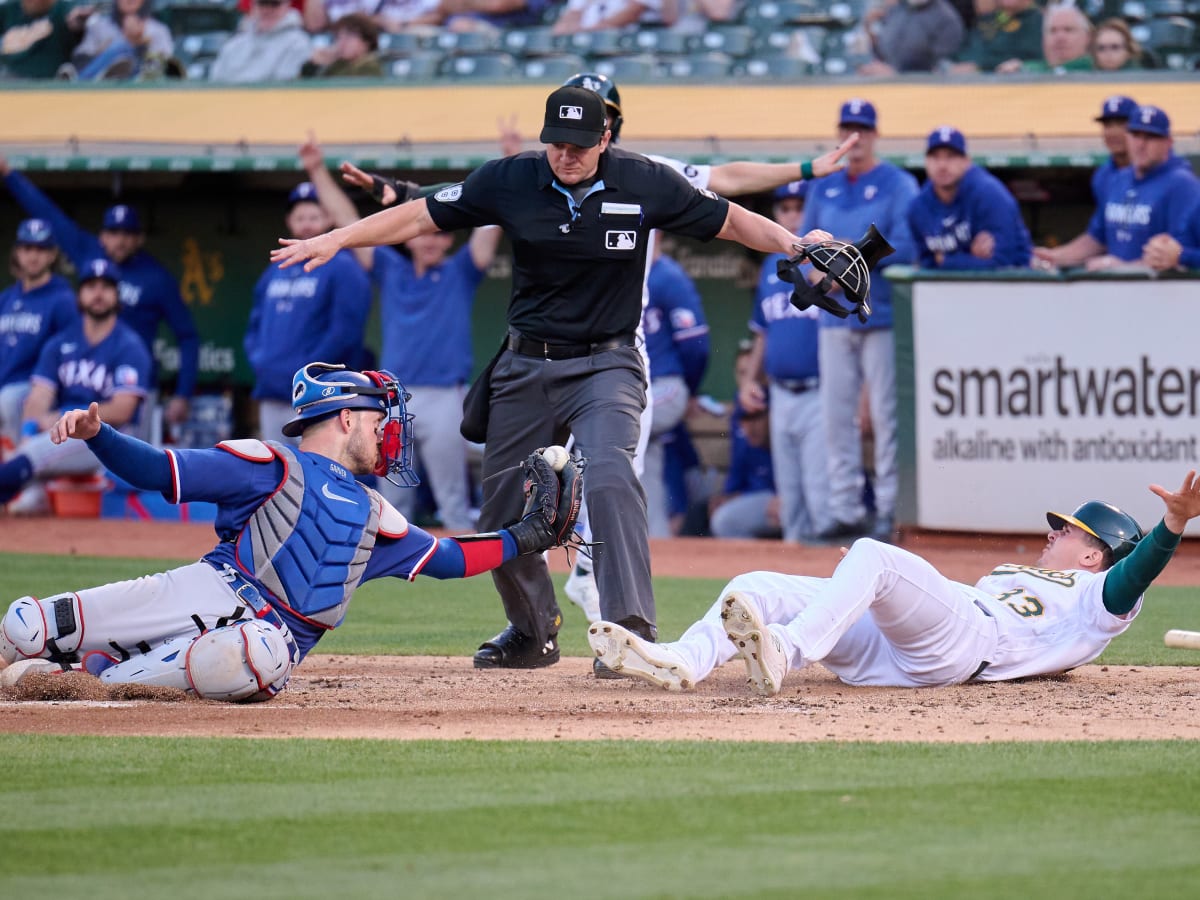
{"x":524,"y":346}
{"x":798,"y":385}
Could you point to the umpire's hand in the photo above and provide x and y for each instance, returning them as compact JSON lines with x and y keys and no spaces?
{"x":77,"y":423}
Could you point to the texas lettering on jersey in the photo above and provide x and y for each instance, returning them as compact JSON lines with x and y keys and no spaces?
{"x":95,"y":376}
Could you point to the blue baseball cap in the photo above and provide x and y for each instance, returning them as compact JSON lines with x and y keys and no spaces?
{"x":1117,"y":108}
{"x":794,"y":190}
{"x":100,"y":269}
{"x":858,"y":112}
{"x":947,"y":136}
{"x":1149,"y":120}
{"x":36,"y":233}
{"x":305,"y":192}
{"x":121,"y":218}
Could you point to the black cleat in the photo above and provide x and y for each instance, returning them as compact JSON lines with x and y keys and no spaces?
{"x":513,"y":649}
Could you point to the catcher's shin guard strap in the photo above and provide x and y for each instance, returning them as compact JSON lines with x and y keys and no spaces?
{"x":50,"y":628}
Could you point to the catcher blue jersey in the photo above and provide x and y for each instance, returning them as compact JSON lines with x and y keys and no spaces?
{"x":791,"y":333}
{"x":673,"y":322}
{"x":982,"y":203}
{"x":1135,"y":209}
{"x":149,"y":293}
{"x":27,"y":320}
{"x":302,"y":316}
{"x":412,"y":310}
{"x":81,"y":373}
{"x":846,"y":207}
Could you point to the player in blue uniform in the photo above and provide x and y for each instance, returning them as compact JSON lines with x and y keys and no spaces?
{"x":964,"y":217}
{"x":149,"y":293}
{"x":1155,"y":195}
{"x":98,"y":360}
{"x":749,"y":505}
{"x":298,"y":534}
{"x":299,"y":316}
{"x":856,"y":355}
{"x":785,"y":352}
{"x":38,"y":306}
{"x":676,"y":336}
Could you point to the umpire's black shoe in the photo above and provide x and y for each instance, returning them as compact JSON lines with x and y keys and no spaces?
{"x":513,"y":649}
{"x":642,"y":629}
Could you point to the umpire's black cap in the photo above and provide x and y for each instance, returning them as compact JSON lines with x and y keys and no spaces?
{"x":574,"y":115}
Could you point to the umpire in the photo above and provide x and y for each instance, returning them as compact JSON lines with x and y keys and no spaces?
{"x":578,"y":215}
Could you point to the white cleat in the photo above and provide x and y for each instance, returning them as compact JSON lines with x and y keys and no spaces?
{"x":766,"y":660}
{"x":623,"y":651}
{"x":582,"y":591}
{"x":22,"y":667}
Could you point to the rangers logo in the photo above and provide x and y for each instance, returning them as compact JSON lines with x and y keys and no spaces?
{"x":570,"y":112}
{"x":620,"y":240}
{"x":450,"y":194}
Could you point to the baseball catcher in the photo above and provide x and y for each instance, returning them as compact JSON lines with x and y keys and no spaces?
{"x":847,"y":266}
{"x":298,"y":534}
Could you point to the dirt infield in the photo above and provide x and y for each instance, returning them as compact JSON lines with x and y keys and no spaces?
{"x":420,"y":697}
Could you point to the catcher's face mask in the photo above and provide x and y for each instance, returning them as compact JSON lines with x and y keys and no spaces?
{"x":847,"y":265}
{"x":320,"y":389}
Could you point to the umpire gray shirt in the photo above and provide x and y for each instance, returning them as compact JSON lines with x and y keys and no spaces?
{"x":578,"y":267}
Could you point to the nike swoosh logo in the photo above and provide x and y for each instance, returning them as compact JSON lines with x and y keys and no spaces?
{"x":332,"y":496}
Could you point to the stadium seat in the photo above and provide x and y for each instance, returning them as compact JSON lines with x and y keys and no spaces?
{"x":532,"y":42}
{"x":467,"y":42}
{"x":479,"y":67}
{"x":187,"y":17}
{"x":627,"y":68}
{"x":598,"y":43}
{"x":553,"y":68}
{"x":774,"y":68}
{"x":661,"y":41}
{"x":802,"y":43}
{"x":1172,"y":39}
{"x":1133,"y":11}
{"x":400,"y":43}
{"x":420,"y":66}
{"x":200,"y":46}
{"x":700,"y":66}
{"x":736,"y":40}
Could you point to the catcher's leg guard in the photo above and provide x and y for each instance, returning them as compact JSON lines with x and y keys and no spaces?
{"x":50,"y":628}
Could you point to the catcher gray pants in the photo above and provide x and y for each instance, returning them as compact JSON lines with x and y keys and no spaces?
{"x":535,"y":403}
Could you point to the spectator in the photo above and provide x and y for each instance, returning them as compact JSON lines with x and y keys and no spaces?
{"x":491,"y":15}
{"x":1114,"y":47}
{"x":299,"y":316}
{"x":353,"y":53}
{"x":1066,"y":43}
{"x":1156,"y":195}
{"x":33,"y":310}
{"x":748,"y":507}
{"x":695,"y":16}
{"x":677,"y":345}
{"x":912,"y":36}
{"x":37,"y":36}
{"x":1010,"y":31}
{"x":784,"y":353}
{"x":117,"y":44}
{"x":858,"y":358}
{"x":149,"y":293}
{"x":425,"y":301}
{"x":964,"y":217}
{"x":270,"y":45}
{"x":605,"y":15}
{"x":99,"y":359}
{"x":322,"y":15}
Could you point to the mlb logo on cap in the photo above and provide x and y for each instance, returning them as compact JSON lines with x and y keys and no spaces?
{"x":121,"y":218}
{"x":570,"y":112}
{"x":36,"y":233}
{"x":1117,"y":108}
{"x":305,"y":192}
{"x":576,"y":116}
{"x":101,"y":269}
{"x":1149,"y":120}
{"x":858,"y":112}
{"x":946,"y":136}
{"x":795,"y":190}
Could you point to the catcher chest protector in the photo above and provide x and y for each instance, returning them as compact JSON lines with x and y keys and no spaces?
{"x":309,"y":543}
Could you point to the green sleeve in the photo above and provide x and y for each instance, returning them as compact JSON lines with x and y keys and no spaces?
{"x":1129,"y":578}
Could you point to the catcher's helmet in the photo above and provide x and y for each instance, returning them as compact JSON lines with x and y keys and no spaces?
{"x":1117,"y":529}
{"x":321,"y":389}
{"x":602,"y":85}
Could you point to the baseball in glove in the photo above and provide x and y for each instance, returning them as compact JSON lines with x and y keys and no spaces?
{"x":552,"y":501}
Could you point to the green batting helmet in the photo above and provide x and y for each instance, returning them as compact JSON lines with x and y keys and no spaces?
{"x":1118,"y":530}
{"x":602,"y":85}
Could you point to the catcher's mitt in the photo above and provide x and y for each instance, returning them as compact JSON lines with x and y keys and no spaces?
{"x":552,"y":501}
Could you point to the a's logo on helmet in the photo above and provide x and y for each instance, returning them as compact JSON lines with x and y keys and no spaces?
{"x":593,"y":85}
{"x":450,"y":194}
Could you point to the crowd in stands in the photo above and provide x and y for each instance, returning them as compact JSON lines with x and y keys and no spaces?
{"x":631,"y":40}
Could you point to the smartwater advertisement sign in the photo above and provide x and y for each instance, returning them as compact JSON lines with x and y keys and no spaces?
{"x":1038,"y":396}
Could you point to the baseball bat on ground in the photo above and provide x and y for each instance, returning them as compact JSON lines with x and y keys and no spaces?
{"x":1187,"y":640}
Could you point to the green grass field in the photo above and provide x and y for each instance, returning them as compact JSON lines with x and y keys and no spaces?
{"x":182,"y":818}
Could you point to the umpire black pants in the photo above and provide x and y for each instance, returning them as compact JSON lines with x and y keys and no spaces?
{"x":537,"y":402}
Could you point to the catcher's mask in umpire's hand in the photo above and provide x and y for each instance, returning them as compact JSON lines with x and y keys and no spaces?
{"x":847,"y":265}
{"x":321,"y":389}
